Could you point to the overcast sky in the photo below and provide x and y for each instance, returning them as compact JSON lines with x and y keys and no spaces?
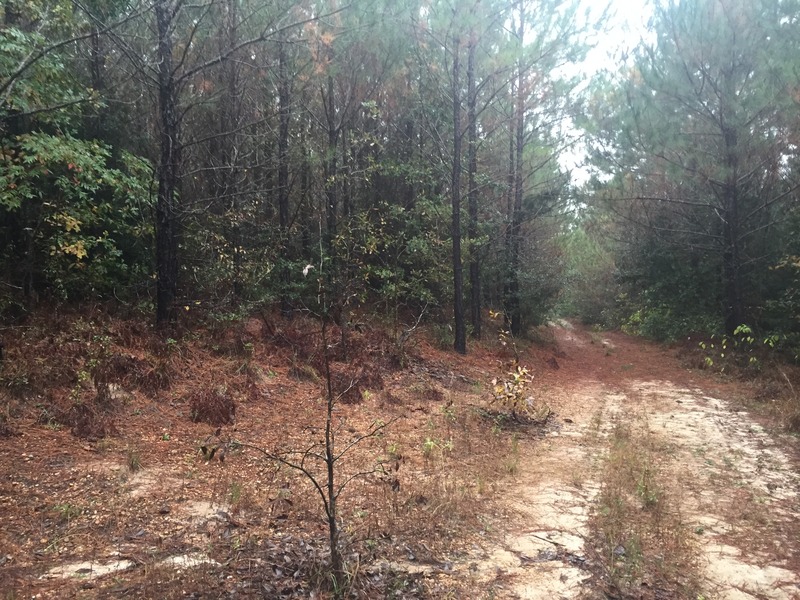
{"x":626,"y":25}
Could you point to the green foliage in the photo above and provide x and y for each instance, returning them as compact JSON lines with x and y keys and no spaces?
{"x":686,"y":127}
{"x":781,"y":312}
{"x":74,"y":224}
{"x":667,"y":291}
{"x":396,"y":253}
{"x":661,"y":323}
{"x":590,"y":289}
{"x":742,"y":350}
{"x":509,"y":391}
{"x":541,"y":283}
{"x":35,"y":81}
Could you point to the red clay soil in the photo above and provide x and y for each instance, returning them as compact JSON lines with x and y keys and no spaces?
{"x":129,"y":486}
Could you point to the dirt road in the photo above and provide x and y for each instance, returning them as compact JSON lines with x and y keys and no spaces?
{"x":647,"y":481}
{"x":653,"y":485}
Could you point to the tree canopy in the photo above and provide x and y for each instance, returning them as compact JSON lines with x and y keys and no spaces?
{"x":696,"y":140}
{"x":199,"y":157}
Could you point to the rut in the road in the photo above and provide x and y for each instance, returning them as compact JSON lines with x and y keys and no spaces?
{"x":738,"y":492}
{"x":728,"y":526}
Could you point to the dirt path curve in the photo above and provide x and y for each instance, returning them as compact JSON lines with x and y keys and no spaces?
{"x":713,"y":511}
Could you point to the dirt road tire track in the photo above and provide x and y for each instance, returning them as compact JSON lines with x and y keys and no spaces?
{"x":733,"y":487}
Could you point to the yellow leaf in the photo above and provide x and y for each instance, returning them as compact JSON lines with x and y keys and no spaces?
{"x":77,"y":250}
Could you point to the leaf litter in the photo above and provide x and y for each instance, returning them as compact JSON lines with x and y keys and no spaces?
{"x":79,"y":521}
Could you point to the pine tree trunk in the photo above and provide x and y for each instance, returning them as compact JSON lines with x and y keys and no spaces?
{"x":472,"y":193}
{"x":331,"y":166}
{"x":460,"y":342}
{"x":284,"y":111}
{"x":168,"y":171}
{"x":513,"y":308}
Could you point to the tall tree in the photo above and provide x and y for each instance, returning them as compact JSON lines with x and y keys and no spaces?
{"x":169,"y":166}
{"x":703,"y":133}
{"x":460,"y":329}
{"x":512,"y":300}
{"x":179,"y":67}
{"x":284,"y":111}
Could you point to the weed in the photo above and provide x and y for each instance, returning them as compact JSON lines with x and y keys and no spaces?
{"x":51,"y":424}
{"x":646,"y":488}
{"x":428,"y":448}
{"x":641,"y":536}
{"x":235,"y":492}
{"x":303,"y":371}
{"x":171,"y":345}
{"x":67,"y":511}
{"x":512,"y":461}
{"x":133,"y":459}
{"x":393,"y":451}
{"x":510,"y":392}
{"x":498,"y":422}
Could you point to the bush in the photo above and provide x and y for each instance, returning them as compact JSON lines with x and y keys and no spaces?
{"x":215,"y":407}
{"x":663,"y":325}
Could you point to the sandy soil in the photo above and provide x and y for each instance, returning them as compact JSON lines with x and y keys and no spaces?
{"x":735,"y":484}
{"x":78,"y":522}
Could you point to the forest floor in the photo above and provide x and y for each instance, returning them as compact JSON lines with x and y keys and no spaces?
{"x":636,"y":478}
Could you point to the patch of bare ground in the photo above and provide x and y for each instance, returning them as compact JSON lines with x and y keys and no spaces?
{"x":696,"y":498}
{"x":654,"y":483}
{"x":169,"y":501}
{"x":643,"y":481}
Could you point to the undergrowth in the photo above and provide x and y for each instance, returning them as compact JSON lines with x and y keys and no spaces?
{"x":150,"y":392}
{"x":643,"y":546}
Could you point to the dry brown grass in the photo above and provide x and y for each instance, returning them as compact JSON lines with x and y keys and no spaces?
{"x":431,"y":474}
{"x":215,"y":406}
{"x":642,"y":544}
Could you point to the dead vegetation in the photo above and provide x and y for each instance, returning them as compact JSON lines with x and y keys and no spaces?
{"x":150,"y":471}
{"x":110,"y":430}
{"x":643,"y":547}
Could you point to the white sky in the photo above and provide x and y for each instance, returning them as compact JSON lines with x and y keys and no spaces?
{"x":624,"y":29}
{"x":627,"y":24}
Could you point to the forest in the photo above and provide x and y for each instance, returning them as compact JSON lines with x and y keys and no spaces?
{"x":196,"y":158}
{"x":276,"y":272}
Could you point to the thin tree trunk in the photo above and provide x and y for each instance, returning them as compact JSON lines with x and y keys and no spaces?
{"x":168,"y":171}
{"x":509,"y":197}
{"x":331,"y":165}
{"x":305,"y":194}
{"x":731,"y":259}
{"x":284,"y":110}
{"x":409,"y":192}
{"x":345,"y":174}
{"x":460,"y":342}
{"x":472,"y":194}
{"x":231,"y":119}
{"x":96,"y":67}
{"x":337,"y":566}
{"x":513,"y":305}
